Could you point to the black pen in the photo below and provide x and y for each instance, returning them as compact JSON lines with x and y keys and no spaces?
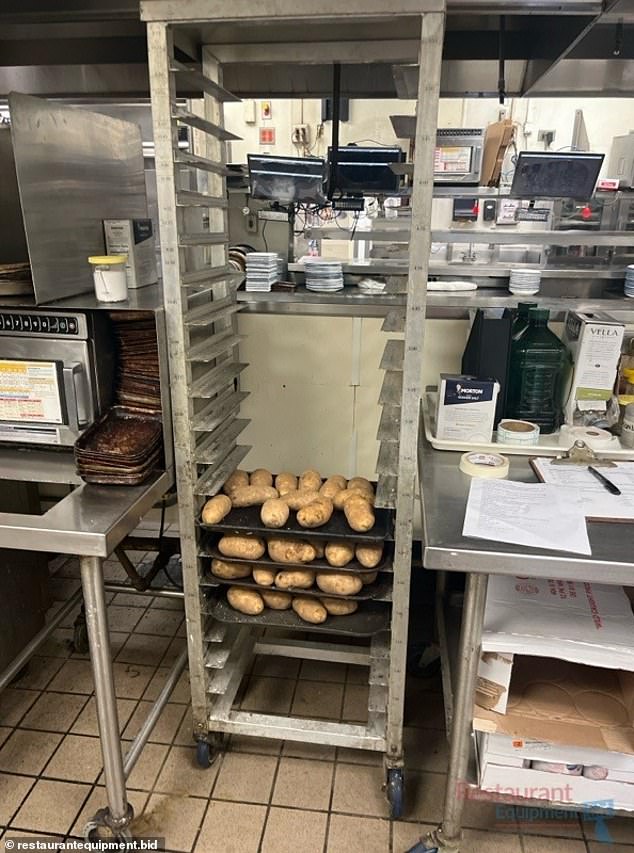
{"x":614,"y":490}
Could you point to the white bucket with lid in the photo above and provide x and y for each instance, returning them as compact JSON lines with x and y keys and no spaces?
{"x":109,"y":276}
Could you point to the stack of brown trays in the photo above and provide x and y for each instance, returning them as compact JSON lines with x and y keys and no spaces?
{"x":123,"y":448}
{"x":138,"y":382}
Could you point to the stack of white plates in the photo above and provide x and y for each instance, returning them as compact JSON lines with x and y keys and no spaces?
{"x":323,"y":275}
{"x":525,"y":282}
{"x":262,"y":270}
{"x":629,"y":281}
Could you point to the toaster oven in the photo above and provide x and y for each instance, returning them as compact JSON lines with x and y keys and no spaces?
{"x":56,"y":374}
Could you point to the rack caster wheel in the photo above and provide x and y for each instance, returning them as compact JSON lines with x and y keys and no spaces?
{"x":80,"y":634}
{"x":422,"y":848}
{"x":207,"y":751}
{"x":394,"y":792}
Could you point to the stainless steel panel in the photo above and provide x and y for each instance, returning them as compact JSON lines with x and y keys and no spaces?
{"x":75,"y":168}
{"x":13,"y":243}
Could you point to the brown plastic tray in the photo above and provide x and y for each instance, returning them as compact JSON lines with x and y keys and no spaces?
{"x":247,"y":520}
{"x":371,"y":618}
{"x":379,"y":590}
{"x":210,"y":549}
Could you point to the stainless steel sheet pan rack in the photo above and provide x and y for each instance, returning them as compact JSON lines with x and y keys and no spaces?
{"x":201,"y":302}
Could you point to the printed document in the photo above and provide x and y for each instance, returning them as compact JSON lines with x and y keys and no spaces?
{"x":595,"y":499}
{"x":538,"y":515}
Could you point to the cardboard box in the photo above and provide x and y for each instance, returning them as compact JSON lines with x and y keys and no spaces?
{"x":594,"y":342}
{"x":561,"y":712}
{"x":466,"y":408}
{"x":578,"y":622}
{"x":134,"y":238}
{"x":498,"y":137}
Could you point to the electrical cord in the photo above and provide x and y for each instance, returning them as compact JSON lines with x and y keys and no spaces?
{"x":266,"y":245}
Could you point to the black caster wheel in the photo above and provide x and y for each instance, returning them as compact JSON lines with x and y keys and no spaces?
{"x":207,"y":751}
{"x":80,"y":638}
{"x":421,"y":848}
{"x":394,"y":791}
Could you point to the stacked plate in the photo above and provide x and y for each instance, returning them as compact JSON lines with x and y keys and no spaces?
{"x":123,"y":448}
{"x":138,"y":383}
{"x":323,"y":276}
{"x":262,"y":270}
{"x":629,"y":281}
{"x":525,"y":282}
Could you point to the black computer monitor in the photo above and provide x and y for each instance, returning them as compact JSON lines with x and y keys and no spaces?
{"x":365,"y":170}
{"x":546,"y":174}
{"x":287,"y":179}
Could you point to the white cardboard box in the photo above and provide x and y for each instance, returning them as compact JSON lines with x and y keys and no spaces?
{"x":585,"y":623}
{"x":134,"y":238}
{"x":466,"y":408}
{"x":594,"y":342}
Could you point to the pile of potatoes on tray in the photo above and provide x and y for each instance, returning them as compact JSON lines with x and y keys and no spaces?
{"x":275,"y":580}
{"x":313,"y":500}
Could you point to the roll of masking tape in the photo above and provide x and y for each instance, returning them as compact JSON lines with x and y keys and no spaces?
{"x":522,"y":433}
{"x":595,"y":438}
{"x":492,"y":466}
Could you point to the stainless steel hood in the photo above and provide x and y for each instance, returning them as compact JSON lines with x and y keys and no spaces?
{"x":97,"y":48}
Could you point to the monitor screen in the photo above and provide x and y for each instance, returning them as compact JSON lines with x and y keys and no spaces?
{"x":287,"y":179}
{"x":366,"y":170}
{"x":545,"y":174}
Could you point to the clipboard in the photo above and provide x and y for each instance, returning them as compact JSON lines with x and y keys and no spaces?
{"x":597,"y":494}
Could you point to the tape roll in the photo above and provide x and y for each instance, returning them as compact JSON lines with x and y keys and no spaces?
{"x":491,"y":466}
{"x":518,"y":432}
{"x":595,"y":438}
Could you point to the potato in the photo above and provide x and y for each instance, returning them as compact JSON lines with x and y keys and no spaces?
{"x":338,"y":606}
{"x":341,"y":497}
{"x":216,"y":508}
{"x":362,"y":484}
{"x":261,"y":477}
{"x":274,"y":513}
{"x":359,"y":514}
{"x":299,"y":498}
{"x":285,"y":482}
{"x":319,"y":548}
{"x":333,"y":484}
{"x":316,"y":514}
{"x":244,"y":547}
{"x":235,"y":480}
{"x":276,"y":600}
{"x":310,"y":609}
{"x":339,"y":583}
{"x":339,"y":553}
{"x":230,"y":571}
{"x":252,"y":495}
{"x":310,"y":479}
{"x":264,"y":577}
{"x":245,"y":600}
{"x":369,"y":555}
{"x":368,"y":577}
{"x":284,"y":550}
{"x":298,"y":579}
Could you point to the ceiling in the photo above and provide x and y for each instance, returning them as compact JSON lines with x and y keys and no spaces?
{"x":97,"y":48}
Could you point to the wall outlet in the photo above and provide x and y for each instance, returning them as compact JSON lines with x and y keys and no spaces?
{"x":252,"y":223}
{"x":546,"y":136}
{"x":301,"y":134}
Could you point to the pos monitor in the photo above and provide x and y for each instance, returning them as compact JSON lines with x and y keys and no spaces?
{"x":545,"y":174}
{"x":287,"y":179}
{"x":365,"y":171}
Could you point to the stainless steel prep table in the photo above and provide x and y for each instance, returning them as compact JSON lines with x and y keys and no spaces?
{"x":90,"y":522}
{"x":444,"y":492}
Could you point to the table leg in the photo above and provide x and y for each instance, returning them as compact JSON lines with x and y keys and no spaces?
{"x":119,"y":813}
{"x":448,"y":836}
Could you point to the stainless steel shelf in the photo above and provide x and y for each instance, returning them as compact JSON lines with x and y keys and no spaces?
{"x":444,"y":493}
{"x":90,"y":521}
{"x":351,"y":302}
{"x":503,"y":235}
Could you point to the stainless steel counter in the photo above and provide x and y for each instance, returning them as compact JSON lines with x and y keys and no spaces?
{"x":353,"y":302}
{"x":148,"y":298}
{"x":444,"y":492}
{"x":90,"y":521}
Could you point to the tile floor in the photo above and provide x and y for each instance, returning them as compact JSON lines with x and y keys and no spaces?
{"x":260,"y":795}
